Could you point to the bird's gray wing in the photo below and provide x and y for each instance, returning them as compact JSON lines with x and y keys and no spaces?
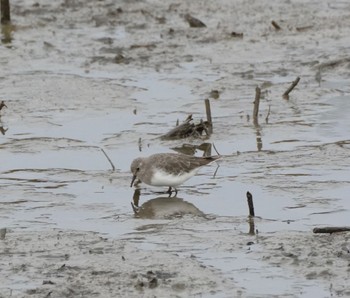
{"x":179,"y":163}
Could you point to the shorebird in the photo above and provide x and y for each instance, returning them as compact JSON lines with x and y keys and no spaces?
{"x":167,"y":169}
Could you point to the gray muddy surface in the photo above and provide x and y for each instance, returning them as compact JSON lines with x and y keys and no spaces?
{"x":80,"y":78}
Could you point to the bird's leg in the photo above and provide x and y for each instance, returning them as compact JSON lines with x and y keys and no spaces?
{"x":171,"y":190}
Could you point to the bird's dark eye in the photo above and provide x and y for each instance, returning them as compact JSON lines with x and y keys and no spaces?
{"x":137,"y":169}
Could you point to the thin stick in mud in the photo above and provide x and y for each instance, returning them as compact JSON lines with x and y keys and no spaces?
{"x":251,"y":226}
{"x":268,"y":115}
{"x":111,"y":163}
{"x":275,"y":25}
{"x":331,"y":230}
{"x":291,"y":87}
{"x":250,"y":204}
{"x":208,"y":111}
{"x":5,"y":12}
{"x":256,"y":105}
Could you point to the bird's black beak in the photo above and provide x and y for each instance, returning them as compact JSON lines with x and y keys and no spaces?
{"x":133,"y":180}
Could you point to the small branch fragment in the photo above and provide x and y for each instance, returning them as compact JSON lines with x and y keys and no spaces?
{"x":268,"y":115}
{"x":291,"y":87}
{"x":301,"y":29}
{"x":331,"y":230}
{"x":256,"y":105}
{"x":236,"y":34}
{"x":193,"y":22}
{"x":5,"y":12}
{"x":112,"y":165}
{"x":275,"y":25}
{"x":208,"y":111}
{"x":251,"y":226}
{"x":250,"y":204}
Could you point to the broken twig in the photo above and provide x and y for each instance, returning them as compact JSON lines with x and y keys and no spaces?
{"x":5,"y":12}
{"x":250,"y":204}
{"x":111,"y":163}
{"x":256,"y":105}
{"x":208,"y":111}
{"x":331,"y":230}
{"x":275,"y":25}
{"x":251,"y":226}
{"x":236,"y":34}
{"x":291,"y":87}
{"x":268,"y":115}
{"x":304,"y":28}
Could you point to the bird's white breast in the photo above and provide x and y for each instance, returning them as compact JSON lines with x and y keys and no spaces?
{"x":161,"y":178}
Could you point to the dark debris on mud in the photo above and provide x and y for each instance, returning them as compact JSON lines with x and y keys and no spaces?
{"x":188,"y":129}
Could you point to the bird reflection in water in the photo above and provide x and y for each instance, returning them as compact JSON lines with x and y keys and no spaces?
{"x":163,"y":207}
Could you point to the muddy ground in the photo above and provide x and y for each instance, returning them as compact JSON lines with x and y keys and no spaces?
{"x":81,"y":78}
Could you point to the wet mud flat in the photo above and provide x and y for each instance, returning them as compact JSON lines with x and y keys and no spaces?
{"x":80,"y":78}
{"x":167,"y":260}
{"x":73,"y":264}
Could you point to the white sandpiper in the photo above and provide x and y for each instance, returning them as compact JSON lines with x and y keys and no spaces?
{"x":167,"y":169}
